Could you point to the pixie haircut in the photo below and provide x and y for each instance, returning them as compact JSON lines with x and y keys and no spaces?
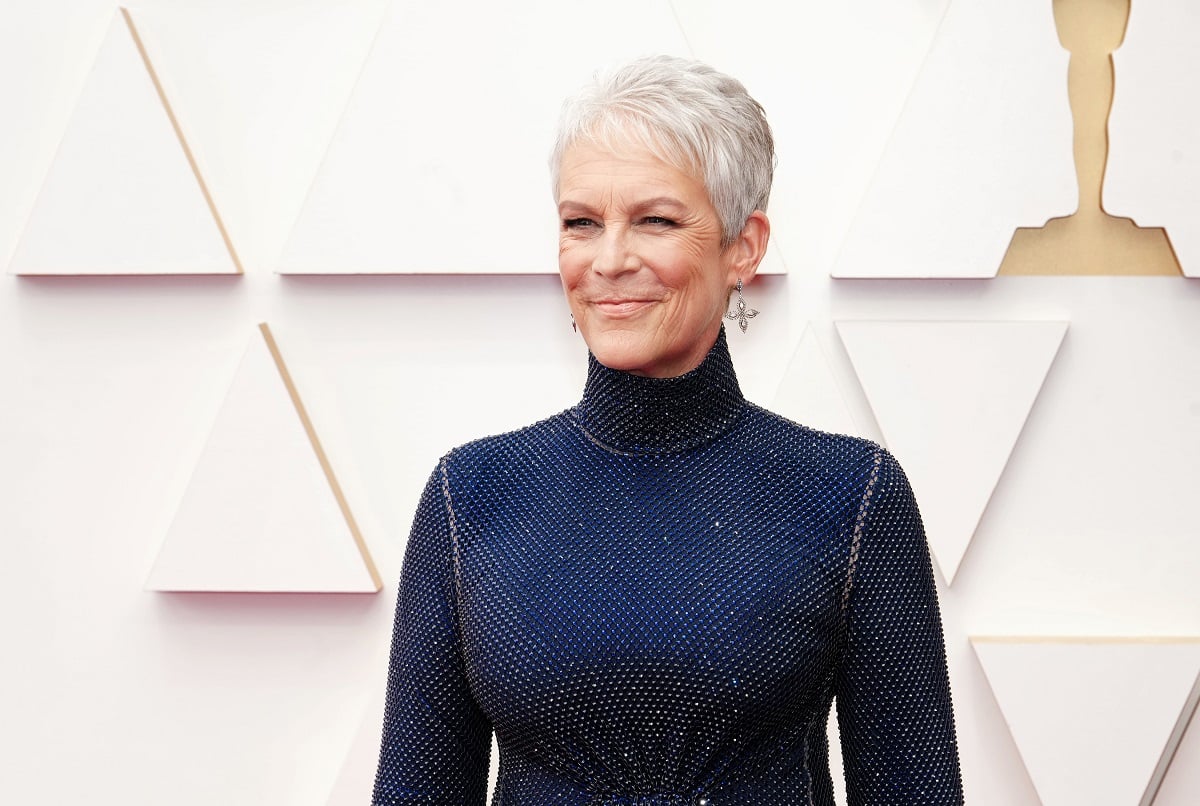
{"x":690,"y":116}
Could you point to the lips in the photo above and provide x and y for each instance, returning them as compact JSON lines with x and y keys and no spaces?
{"x":620,"y":307}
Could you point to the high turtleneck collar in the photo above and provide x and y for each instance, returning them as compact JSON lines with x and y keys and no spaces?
{"x":634,"y":414}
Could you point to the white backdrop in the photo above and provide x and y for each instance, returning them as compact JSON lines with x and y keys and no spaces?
{"x":110,"y":385}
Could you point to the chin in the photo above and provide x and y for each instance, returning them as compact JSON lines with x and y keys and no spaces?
{"x":620,"y":353}
{"x":638,"y":356}
{"x":621,"y":349}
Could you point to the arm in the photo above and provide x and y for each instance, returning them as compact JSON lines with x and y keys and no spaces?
{"x":436,"y":741}
{"x":893,"y":694}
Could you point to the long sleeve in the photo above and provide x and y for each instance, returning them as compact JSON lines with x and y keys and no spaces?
{"x":893,"y":695}
{"x":436,"y":741}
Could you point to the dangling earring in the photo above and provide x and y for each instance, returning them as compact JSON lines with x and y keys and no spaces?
{"x":741,"y":314}
{"x":574,"y":327}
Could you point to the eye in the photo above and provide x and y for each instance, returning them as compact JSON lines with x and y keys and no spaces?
{"x":658,"y":221}
{"x":578,"y":223}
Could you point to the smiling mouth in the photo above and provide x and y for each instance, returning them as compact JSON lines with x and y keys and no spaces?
{"x":618,"y":308}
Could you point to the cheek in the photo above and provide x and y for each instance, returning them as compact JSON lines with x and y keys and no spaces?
{"x":571,"y":265}
{"x":697,"y":275}
{"x":682,"y":258}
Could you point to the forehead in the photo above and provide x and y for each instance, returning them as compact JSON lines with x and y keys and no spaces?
{"x":622,"y":133}
{"x":590,"y":168}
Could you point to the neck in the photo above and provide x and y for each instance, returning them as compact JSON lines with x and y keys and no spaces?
{"x":634,"y":414}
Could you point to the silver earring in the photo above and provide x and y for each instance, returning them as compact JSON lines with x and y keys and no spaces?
{"x":574,"y":327}
{"x":741,"y":314}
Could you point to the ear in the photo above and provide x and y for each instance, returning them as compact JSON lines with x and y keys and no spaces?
{"x":747,"y":250}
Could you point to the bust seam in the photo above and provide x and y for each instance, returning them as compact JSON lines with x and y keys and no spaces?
{"x":455,"y":557}
{"x":859,"y":524}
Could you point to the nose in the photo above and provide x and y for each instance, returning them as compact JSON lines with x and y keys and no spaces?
{"x":614,"y":255}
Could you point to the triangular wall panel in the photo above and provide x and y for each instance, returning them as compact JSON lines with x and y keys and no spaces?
{"x":263,"y":511}
{"x":455,"y":131}
{"x":1181,"y":779}
{"x":815,"y":68}
{"x":122,"y":195}
{"x":983,"y":147}
{"x":1154,"y":128}
{"x":258,"y":90}
{"x":1092,"y":718}
{"x":809,"y":393}
{"x":951,"y":399}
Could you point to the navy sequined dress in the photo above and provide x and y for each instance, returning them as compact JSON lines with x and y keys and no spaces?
{"x":653,"y":598}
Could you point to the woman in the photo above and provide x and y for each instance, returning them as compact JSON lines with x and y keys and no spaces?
{"x":654,"y":597}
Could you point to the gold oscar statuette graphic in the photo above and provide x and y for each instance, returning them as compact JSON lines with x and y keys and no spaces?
{"x":1090,"y":241}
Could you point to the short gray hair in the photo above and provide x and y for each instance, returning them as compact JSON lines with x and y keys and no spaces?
{"x":690,"y":116}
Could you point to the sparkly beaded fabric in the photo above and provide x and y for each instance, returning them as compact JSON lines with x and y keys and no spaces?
{"x":653,"y":598}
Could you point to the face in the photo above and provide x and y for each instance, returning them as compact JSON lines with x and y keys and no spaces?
{"x":641,"y":259}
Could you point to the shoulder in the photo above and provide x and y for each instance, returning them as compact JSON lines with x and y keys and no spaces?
{"x":784,"y":440}
{"x":836,"y":474}
{"x":504,"y":452}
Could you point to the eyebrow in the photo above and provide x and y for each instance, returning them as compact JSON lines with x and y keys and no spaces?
{"x":656,"y":201}
{"x":566,"y":204}
{"x":661,"y":201}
